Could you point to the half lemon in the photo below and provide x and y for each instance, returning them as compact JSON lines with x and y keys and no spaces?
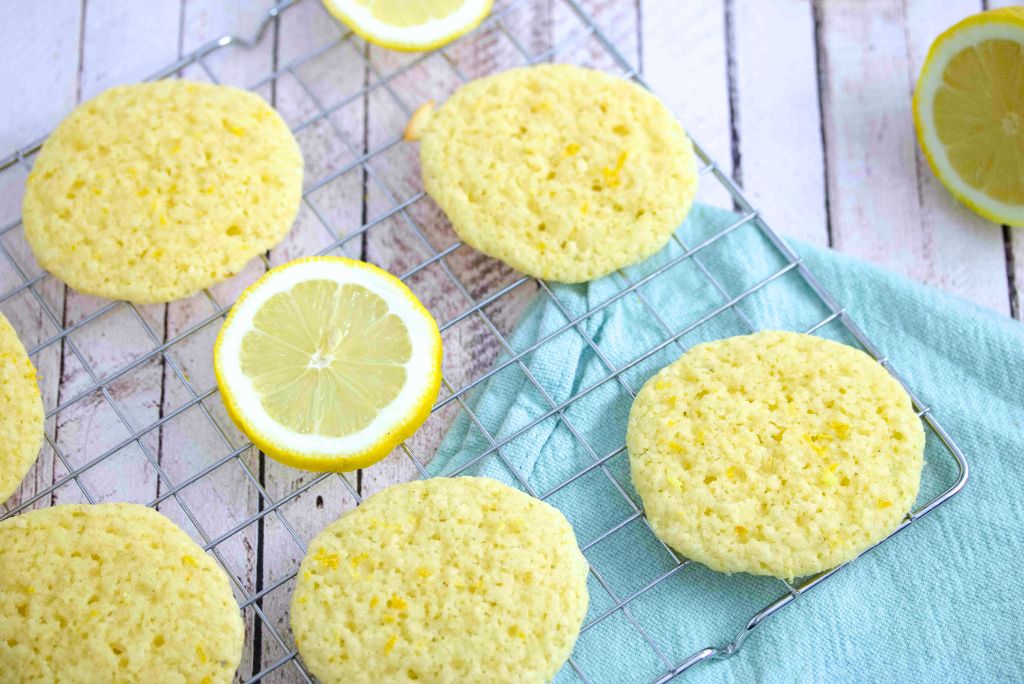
{"x":328,"y":363}
{"x":405,"y":25}
{"x":969,"y":112}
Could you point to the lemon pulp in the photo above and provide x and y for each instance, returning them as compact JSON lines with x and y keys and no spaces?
{"x":326,"y":357}
{"x":405,"y":13}
{"x":979,"y":117}
{"x":405,"y":25}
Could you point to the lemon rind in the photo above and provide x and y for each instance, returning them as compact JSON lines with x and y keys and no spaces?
{"x":337,"y":459}
{"x":372,"y":30}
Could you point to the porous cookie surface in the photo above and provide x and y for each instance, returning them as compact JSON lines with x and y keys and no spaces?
{"x":564,"y":173}
{"x":441,"y":580}
{"x":774,"y":453}
{"x":152,"y":191}
{"x":112,"y":592}
{"x":21,"y":411}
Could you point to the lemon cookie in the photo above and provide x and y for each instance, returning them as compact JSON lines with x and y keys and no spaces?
{"x":774,"y":453}
{"x":112,"y":592}
{"x":564,"y":173}
{"x":150,"y":192}
{"x":441,"y":580}
{"x":21,"y":411}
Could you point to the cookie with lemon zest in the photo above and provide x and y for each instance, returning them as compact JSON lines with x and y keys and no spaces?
{"x":774,"y":453}
{"x":441,"y":580}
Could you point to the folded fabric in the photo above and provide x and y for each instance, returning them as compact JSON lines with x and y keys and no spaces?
{"x":938,"y":602}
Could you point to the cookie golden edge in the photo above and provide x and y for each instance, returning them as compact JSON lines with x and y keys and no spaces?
{"x":126,"y":519}
{"x":645,"y":481}
{"x":133,"y":292}
{"x":306,"y":588}
{"x":27,"y":411}
{"x":435,"y":184}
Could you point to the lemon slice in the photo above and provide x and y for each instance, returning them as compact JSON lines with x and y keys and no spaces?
{"x":969,"y":112}
{"x":404,"y":25}
{"x":328,"y":363}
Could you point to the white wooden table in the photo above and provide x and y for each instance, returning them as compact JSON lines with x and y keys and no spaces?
{"x":806,"y":103}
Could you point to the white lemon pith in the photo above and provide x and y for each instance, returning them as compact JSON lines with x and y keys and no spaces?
{"x":403,"y":25}
{"x":969,"y":113}
{"x":328,"y":363}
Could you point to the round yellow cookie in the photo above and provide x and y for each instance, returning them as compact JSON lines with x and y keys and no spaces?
{"x":112,"y":592}
{"x":564,"y":173}
{"x":150,"y":192}
{"x":774,"y":453}
{"x":21,"y":411}
{"x":441,"y":580}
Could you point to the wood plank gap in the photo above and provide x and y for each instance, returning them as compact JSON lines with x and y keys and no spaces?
{"x":161,"y":405}
{"x":821,"y":65}
{"x":733,"y":95}
{"x":364,"y":211}
{"x":257,"y":641}
{"x":81,"y":53}
{"x":639,"y":36}
{"x":1011,"y":273}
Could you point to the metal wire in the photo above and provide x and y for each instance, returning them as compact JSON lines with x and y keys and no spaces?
{"x":364,"y":158}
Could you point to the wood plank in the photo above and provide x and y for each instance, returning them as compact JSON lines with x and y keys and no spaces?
{"x":225,"y":497}
{"x":883,"y":205}
{"x":470,"y":346}
{"x":1013,"y":238}
{"x":685,"y":62}
{"x":327,"y":145}
{"x":39,"y":61}
{"x":777,"y":118}
{"x":111,"y":54}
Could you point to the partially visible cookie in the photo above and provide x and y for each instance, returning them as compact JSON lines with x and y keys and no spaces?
{"x":441,"y":580}
{"x":152,"y":191}
{"x":774,"y":453}
{"x":564,"y":173}
{"x":21,"y":411}
{"x":112,"y":592}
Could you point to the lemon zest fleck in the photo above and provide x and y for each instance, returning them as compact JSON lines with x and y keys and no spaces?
{"x":326,"y":560}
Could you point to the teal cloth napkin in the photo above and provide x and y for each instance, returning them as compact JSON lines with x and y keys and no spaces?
{"x":939,"y":602}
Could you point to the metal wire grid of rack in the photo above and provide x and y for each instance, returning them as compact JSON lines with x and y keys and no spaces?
{"x":270,"y":650}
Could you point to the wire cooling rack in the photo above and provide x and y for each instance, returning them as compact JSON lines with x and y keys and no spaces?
{"x":144,"y":422}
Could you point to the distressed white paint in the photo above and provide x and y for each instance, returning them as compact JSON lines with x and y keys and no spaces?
{"x":884,"y":203}
{"x":39,"y":43}
{"x":684,"y":61}
{"x":965,"y":252}
{"x":777,"y":115}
